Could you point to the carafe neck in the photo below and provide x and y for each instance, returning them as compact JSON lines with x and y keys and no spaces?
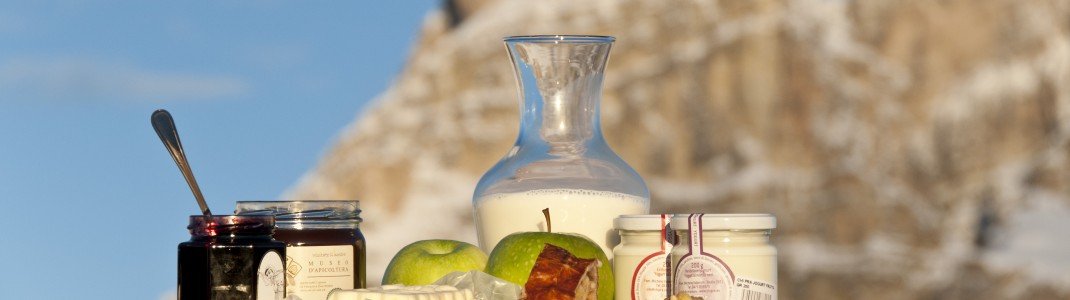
{"x":560,"y":84}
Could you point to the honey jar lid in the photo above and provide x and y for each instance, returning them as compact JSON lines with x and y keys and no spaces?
{"x":302,"y":214}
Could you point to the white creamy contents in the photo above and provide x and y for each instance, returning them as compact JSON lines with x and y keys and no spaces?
{"x":400,"y":292}
{"x":724,"y":257}
{"x":640,"y":267}
{"x":585,"y":212}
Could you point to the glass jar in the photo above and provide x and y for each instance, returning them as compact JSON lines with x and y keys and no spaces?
{"x":560,"y":160}
{"x":325,"y":248}
{"x":641,"y":261}
{"x":724,"y":256}
{"x":231,"y":257}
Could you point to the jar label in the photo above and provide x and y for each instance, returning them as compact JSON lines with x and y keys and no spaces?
{"x":313,"y":271}
{"x":270,"y":276}
{"x":701,"y":274}
{"x":753,"y":289}
{"x":649,"y":280}
{"x":666,"y":232}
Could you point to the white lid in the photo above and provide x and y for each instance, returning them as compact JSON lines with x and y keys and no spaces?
{"x":727,"y":221}
{"x":639,"y":222}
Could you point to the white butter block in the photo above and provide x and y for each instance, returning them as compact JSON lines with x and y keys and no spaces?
{"x":400,"y":292}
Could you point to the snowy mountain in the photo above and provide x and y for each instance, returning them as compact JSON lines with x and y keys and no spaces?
{"x":910,"y":149}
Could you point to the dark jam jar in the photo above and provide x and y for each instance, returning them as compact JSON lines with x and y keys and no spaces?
{"x":231,"y":258}
{"x":325,"y":248}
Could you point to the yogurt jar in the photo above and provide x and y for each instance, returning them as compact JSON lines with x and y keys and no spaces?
{"x":724,"y":256}
{"x":641,"y":260}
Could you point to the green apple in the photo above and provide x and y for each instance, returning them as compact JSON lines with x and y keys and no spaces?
{"x":514,"y":256}
{"x":423,"y":262}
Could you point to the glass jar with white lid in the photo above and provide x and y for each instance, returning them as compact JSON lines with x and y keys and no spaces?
{"x":724,"y":256}
{"x":641,"y":260}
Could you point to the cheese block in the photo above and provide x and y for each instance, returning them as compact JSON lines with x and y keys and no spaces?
{"x":401,"y":292}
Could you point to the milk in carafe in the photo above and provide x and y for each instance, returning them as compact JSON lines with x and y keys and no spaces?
{"x":585,"y":212}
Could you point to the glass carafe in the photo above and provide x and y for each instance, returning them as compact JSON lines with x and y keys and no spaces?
{"x":560,"y":160}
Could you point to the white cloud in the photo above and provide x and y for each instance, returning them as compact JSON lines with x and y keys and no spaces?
{"x":36,"y":79}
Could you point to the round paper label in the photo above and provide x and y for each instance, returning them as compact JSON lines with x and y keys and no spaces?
{"x":703,"y":276}
{"x":270,"y":277}
{"x":649,"y":280}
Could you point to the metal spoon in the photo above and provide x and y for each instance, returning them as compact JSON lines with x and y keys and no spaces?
{"x":165,"y":128}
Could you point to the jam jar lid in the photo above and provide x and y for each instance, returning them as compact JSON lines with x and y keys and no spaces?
{"x":217,"y":225}
{"x":319,"y":214}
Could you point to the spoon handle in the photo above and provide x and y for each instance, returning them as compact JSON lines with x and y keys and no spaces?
{"x":165,"y":128}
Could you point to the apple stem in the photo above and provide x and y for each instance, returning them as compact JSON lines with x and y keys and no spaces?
{"x":546,"y":214}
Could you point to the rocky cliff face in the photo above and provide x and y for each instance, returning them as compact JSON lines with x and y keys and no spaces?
{"x":911,"y":149}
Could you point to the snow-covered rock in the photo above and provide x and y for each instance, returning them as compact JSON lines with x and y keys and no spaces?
{"x":911,"y":149}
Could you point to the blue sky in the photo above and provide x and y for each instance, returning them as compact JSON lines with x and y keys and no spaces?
{"x":94,"y":205}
